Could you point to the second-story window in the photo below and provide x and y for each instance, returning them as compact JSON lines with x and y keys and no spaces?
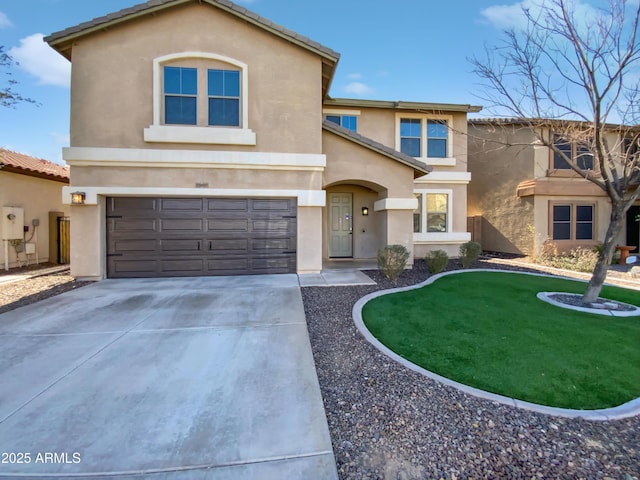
{"x":411,"y":136}
{"x":224,"y":97}
{"x":180,"y":95}
{"x":578,"y":152}
{"x":437,"y":134}
{"x":350,"y":122}
{"x":425,"y":137}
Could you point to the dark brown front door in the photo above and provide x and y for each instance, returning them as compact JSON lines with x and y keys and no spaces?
{"x":169,"y":237}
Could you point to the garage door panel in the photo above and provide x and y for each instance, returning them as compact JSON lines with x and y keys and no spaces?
{"x":227,"y":225}
{"x":220,"y":246}
{"x":134,"y":246}
{"x":137,"y":225}
{"x":181,"y":224}
{"x":124,"y":266}
{"x":184,"y":246}
{"x":203,"y":236}
{"x":228,"y":204}
{"x":128,"y":204}
{"x":272,"y":205}
{"x":181,"y":204}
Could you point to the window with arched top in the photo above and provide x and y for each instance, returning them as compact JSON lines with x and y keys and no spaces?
{"x":200,"y":98}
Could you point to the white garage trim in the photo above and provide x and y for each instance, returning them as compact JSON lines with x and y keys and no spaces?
{"x":306,"y":198}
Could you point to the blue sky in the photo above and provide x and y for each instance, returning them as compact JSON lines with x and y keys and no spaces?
{"x":414,"y":50}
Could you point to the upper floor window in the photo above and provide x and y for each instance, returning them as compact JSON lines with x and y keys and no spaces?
{"x":437,"y":134}
{"x":578,"y":152}
{"x":426,"y":137}
{"x":180,"y":95}
{"x":350,"y":122}
{"x":224,"y":97}
{"x":200,"y":98}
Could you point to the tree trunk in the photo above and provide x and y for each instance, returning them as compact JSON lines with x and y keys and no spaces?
{"x":608,"y":249}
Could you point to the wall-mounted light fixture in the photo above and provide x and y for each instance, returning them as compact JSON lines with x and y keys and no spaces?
{"x":365,"y":211}
{"x":77,"y":198}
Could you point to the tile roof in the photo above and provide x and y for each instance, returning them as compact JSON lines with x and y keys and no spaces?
{"x":401,"y":105}
{"x":417,"y":165}
{"x":154,"y":5}
{"x":36,"y":167}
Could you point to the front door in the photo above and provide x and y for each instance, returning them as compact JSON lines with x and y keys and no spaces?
{"x":633,"y":228}
{"x":341,"y":225}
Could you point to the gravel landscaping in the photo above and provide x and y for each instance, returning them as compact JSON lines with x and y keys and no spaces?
{"x":388,"y":422}
{"x":18,"y":293}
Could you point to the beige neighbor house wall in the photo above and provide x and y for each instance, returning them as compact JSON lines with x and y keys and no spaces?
{"x":508,"y":221}
{"x":515,"y":187}
{"x":449,"y":175}
{"x":38,"y":197}
{"x":120,"y":147}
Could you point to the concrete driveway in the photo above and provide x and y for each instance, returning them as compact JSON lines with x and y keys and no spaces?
{"x":184,"y":378}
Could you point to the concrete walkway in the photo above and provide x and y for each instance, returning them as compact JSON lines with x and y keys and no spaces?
{"x":196,"y":378}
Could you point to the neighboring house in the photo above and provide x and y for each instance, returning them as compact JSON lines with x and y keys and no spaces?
{"x":526,"y":195}
{"x":205,"y":143}
{"x":31,"y":193}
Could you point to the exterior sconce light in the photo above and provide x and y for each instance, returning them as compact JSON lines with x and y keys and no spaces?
{"x":365,"y":211}
{"x":77,"y":198}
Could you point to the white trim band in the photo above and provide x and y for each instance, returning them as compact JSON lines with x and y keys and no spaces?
{"x":144,"y":157}
{"x":306,"y":198}
{"x":395,"y":204}
{"x":444,"y":237}
{"x":445,"y":177}
{"x":202,"y":135}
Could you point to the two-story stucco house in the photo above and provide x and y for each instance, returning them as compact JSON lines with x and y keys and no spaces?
{"x":528,"y":196}
{"x":204,"y":142}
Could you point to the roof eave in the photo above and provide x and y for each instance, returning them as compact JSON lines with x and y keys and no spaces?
{"x":418,"y":167}
{"x":401,"y":105}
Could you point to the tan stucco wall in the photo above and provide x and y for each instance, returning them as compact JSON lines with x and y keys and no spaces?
{"x":37,"y":197}
{"x":112,"y":78}
{"x":347,"y":161}
{"x":188,"y":177}
{"x":496,"y":171}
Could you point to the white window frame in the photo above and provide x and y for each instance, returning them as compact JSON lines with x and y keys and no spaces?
{"x":449,"y":161}
{"x":423,"y":235}
{"x":159,"y":132}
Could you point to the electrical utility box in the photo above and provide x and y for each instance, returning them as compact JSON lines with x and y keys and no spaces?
{"x":12,"y":223}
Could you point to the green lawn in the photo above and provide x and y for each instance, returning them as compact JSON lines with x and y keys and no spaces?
{"x":488,"y":330}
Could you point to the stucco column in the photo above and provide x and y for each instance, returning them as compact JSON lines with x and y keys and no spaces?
{"x":309,"y":257}
{"x":398,"y":222}
{"x":88,"y":241}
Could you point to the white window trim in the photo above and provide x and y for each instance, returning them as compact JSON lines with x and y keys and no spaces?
{"x":449,"y":161}
{"x":423,"y":235}
{"x":339,"y":111}
{"x":158,"y":132}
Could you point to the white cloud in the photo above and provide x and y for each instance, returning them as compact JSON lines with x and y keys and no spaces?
{"x":354,"y":76}
{"x":512,"y":16}
{"x":358,"y":88}
{"x":37,"y":58}
{"x":62,"y":139}
{"x":4,"y":21}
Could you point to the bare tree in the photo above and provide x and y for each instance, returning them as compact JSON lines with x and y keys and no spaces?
{"x":8,"y":96}
{"x":572,"y":75}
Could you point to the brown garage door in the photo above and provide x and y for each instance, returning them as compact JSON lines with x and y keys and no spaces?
{"x":169,"y":237}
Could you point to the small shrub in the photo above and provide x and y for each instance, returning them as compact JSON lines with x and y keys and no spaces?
{"x":469,"y":253}
{"x":392,"y":259}
{"x":579,"y":260}
{"x":436,"y":261}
